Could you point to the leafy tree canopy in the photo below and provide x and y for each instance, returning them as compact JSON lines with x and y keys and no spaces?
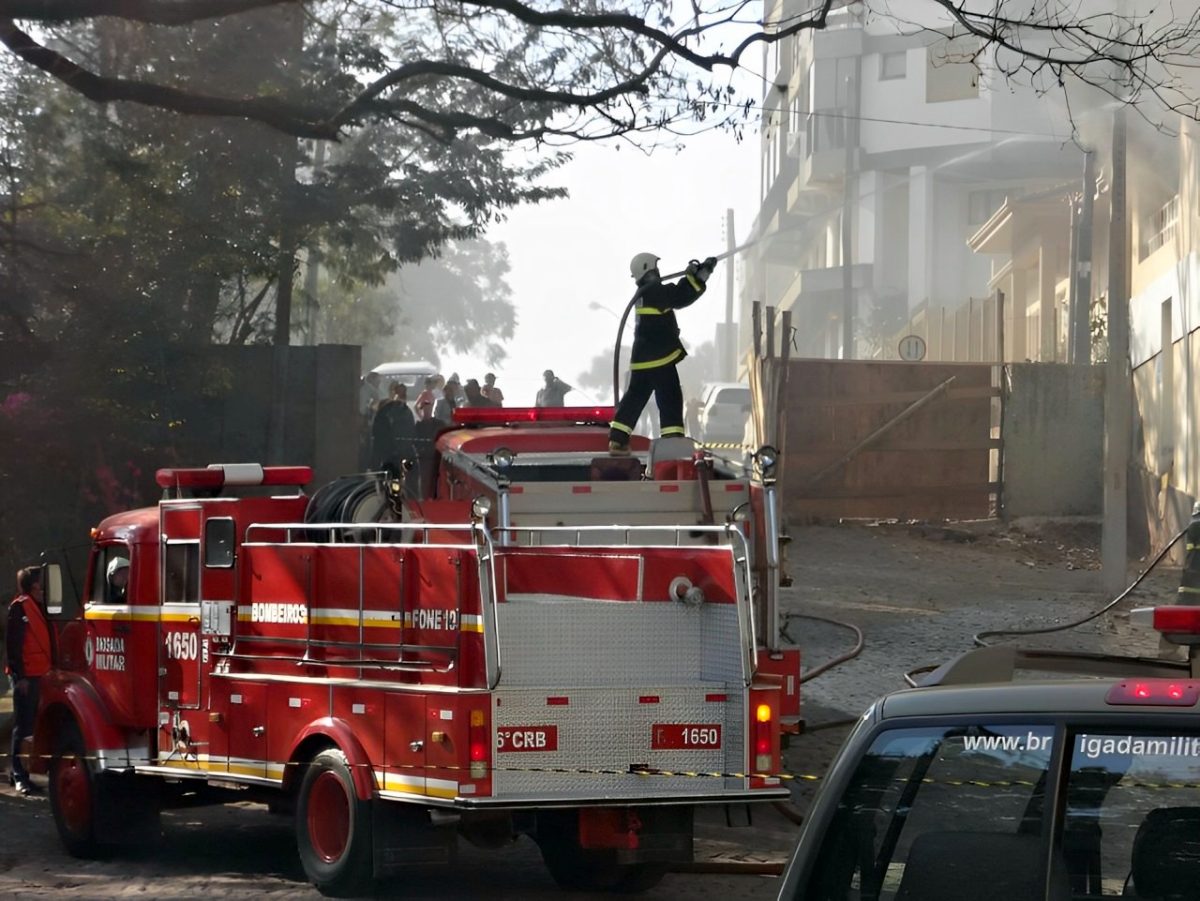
{"x":549,"y":69}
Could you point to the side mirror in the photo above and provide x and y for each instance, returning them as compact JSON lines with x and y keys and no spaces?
{"x":52,"y":588}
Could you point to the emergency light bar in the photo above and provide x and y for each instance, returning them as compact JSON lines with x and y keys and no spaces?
{"x":1178,"y":623}
{"x":518,"y":415}
{"x":220,"y":475}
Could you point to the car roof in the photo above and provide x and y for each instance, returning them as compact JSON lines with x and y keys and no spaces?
{"x":406,"y":367}
{"x":1004,"y":679}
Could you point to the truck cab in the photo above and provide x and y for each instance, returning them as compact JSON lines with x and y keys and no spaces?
{"x":1012,"y":774}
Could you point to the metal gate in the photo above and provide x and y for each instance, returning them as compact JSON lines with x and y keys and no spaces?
{"x":889,"y":440}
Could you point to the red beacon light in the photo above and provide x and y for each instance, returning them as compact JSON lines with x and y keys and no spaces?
{"x":1177,"y":623}
{"x":222,"y":475}
{"x":523,"y":415}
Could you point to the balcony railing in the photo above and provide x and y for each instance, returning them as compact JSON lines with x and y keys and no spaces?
{"x":1161,"y":226}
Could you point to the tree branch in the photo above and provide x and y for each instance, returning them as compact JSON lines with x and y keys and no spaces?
{"x":152,"y":12}
{"x":286,"y":117}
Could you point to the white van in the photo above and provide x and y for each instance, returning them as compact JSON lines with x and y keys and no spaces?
{"x":724,"y":412}
{"x":409,"y":372}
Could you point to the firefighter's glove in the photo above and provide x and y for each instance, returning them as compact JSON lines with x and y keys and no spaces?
{"x":703,"y":270}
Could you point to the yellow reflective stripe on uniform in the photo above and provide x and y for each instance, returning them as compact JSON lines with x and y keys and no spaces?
{"x":650,"y":311}
{"x":1193,"y":547}
{"x":661,"y":361}
{"x":673,"y":430}
{"x":621,"y":427}
{"x":696,"y":283}
{"x":1183,"y":589}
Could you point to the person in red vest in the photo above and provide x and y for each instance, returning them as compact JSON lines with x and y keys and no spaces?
{"x":29,"y":656}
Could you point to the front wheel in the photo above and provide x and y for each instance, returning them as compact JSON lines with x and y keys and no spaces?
{"x":333,"y":828}
{"x":73,"y":789}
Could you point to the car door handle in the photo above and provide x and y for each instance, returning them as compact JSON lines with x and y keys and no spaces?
{"x":416,"y":746}
{"x":258,"y":731}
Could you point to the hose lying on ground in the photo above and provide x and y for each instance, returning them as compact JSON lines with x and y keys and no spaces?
{"x":979,"y":637}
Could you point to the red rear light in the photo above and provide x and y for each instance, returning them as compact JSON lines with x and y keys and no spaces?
{"x":1179,"y":620}
{"x":477,"y":742}
{"x":1154,"y":692}
{"x":513,"y":415}
{"x":763,"y":744}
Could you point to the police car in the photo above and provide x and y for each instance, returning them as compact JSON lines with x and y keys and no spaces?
{"x":1014,"y":775}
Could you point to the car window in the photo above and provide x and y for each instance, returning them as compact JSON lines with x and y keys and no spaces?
{"x":1131,"y":824}
{"x":737,"y":397}
{"x":106,"y":588}
{"x":940,"y":813}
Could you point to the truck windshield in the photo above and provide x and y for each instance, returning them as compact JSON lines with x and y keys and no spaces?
{"x":940,"y":813}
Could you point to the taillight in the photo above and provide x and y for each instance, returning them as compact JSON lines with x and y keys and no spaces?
{"x":478,"y":741}
{"x":1175,"y":621}
{"x":763,"y":758}
{"x":1154,"y":692}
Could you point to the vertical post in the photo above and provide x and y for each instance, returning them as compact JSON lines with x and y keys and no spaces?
{"x":1118,"y":387}
{"x":999,"y":326}
{"x":848,"y":191}
{"x":1072,"y":284}
{"x":1081,"y":325}
{"x":728,"y":346}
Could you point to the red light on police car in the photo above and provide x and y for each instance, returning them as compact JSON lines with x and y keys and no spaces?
{"x":1154,"y":692}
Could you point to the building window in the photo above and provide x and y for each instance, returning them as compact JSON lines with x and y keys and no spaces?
{"x":893,"y":65}
{"x":1160,"y":226}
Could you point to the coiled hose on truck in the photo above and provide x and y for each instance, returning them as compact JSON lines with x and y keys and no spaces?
{"x":367,"y":497}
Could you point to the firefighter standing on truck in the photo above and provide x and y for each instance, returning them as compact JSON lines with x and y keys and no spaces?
{"x":656,"y":348}
{"x":29,"y":658}
{"x":1189,"y":579}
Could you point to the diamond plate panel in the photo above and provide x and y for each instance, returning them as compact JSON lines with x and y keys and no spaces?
{"x":610,"y":729}
{"x":570,"y":641}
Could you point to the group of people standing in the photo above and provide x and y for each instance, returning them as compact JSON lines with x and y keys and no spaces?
{"x":394,"y":426}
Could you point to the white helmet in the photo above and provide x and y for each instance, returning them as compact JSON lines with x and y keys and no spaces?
{"x":641,"y":264}
{"x":1196,"y":509}
{"x":114,"y":564}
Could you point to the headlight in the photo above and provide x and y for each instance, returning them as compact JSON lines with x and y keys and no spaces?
{"x":502,"y":458}
{"x":481,"y":507}
{"x":767,"y":458}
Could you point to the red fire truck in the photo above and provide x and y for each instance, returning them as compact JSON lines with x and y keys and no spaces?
{"x":542,"y":639}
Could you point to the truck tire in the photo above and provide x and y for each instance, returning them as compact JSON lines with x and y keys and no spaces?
{"x":73,"y":788}
{"x":333,"y":828}
{"x":579,"y":869}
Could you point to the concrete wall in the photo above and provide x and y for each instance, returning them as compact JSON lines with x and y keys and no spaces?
{"x":1053,"y":433}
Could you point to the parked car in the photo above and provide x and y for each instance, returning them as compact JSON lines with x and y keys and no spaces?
{"x":724,"y":412}
{"x":411,"y":372}
{"x":987,"y":787}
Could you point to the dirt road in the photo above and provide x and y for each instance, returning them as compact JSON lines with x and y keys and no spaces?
{"x":919,"y":593}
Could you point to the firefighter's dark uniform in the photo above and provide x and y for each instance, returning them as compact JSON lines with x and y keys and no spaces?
{"x":656,"y":351}
{"x":1189,"y":580}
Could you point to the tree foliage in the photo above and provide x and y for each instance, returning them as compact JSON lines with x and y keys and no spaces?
{"x":458,"y":301}
{"x":516,"y":69}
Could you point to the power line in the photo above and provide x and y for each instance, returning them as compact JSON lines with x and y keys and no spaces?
{"x":836,"y":115}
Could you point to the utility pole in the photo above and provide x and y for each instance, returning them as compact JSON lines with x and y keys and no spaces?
{"x":312,"y":261}
{"x":1118,"y":387}
{"x":849,"y":187}
{"x":727,"y":346}
{"x":1080,"y":337}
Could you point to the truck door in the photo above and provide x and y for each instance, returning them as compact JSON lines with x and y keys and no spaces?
{"x":122,"y":630}
{"x":179,"y":635}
